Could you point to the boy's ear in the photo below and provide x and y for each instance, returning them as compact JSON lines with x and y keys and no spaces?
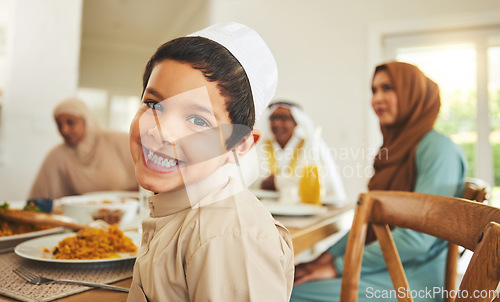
{"x":247,"y":144}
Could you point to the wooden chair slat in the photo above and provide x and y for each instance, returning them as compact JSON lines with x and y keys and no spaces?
{"x":391,"y":256}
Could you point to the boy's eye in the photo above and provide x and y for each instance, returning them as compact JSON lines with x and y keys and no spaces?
{"x":154,"y":105}
{"x":198,"y":121}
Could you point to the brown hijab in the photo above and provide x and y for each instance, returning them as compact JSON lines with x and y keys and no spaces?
{"x":419,"y":102}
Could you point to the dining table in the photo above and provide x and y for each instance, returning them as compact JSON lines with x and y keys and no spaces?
{"x":306,"y":232}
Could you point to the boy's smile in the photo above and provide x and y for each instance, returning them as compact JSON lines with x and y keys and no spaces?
{"x":160,"y":162}
{"x":176,"y":137}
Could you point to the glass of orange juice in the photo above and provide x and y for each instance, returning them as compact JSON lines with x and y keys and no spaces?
{"x":309,"y":185}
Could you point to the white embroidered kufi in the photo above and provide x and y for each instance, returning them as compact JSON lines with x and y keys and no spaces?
{"x":247,"y":46}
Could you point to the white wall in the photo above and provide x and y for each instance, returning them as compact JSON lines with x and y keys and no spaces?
{"x":5,"y":7}
{"x":117,"y":67}
{"x":42,"y":69}
{"x":323,"y":53}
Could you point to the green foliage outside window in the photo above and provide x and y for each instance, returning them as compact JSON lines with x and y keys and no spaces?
{"x":458,"y":118}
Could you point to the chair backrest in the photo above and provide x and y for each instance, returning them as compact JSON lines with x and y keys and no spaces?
{"x":475,"y":190}
{"x":472,"y":225}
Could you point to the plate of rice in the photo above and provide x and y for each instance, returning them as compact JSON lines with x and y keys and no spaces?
{"x":90,"y":245}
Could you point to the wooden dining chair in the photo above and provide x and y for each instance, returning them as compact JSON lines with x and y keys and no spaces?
{"x":475,"y":190}
{"x":472,"y":225}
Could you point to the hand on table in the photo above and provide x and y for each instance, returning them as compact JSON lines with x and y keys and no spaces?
{"x":318,"y":269}
{"x":268,"y":183}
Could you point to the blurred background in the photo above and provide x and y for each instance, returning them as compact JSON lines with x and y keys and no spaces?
{"x":326,"y":51}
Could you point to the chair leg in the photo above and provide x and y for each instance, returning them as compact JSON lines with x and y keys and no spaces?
{"x":451,"y":269}
{"x":355,"y":247}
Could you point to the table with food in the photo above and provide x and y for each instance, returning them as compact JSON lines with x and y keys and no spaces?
{"x":94,"y":238}
{"x":46,"y":250}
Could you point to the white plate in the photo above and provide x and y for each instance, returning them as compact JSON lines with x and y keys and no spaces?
{"x":265,"y":194}
{"x":299,"y":209}
{"x":33,"y":249}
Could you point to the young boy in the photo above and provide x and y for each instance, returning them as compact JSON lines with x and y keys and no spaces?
{"x":207,"y":238}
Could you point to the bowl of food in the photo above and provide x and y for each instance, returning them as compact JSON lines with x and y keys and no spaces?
{"x":113,"y":209}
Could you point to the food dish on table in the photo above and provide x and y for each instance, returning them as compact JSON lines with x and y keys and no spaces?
{"x":41,"y":249}
{"x":112,"y":208}
{"x":13,"y":240}
{"x":94,"y":243}
{"x":15,"y":232}
{"x":9,"y":228}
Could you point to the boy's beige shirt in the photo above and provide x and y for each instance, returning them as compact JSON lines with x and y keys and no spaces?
{"x":224,"y":247}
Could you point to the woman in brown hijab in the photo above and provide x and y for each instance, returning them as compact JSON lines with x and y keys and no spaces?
{"x":413,"y":157}
{"x":89,"y":160}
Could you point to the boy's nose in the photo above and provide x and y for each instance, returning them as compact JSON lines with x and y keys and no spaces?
{"x":155,"y":133}
{"x":161,"y":134}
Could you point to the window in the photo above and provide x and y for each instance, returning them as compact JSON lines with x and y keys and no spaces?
{"x":494,"y":110}
{"x":466,"y":66}
{"x":112,"y":111}
{"x":457,"y":84}
{"x":123,"y":109}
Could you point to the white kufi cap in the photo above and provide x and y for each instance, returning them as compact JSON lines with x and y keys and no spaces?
{"x":247,"y":46}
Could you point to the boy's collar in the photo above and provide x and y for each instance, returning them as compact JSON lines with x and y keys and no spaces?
{"x":213,"y":188}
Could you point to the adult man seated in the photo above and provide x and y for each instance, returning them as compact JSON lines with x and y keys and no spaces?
{"x":288,"y":143}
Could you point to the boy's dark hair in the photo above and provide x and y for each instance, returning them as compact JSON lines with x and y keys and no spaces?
{"x":217,"y":65}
